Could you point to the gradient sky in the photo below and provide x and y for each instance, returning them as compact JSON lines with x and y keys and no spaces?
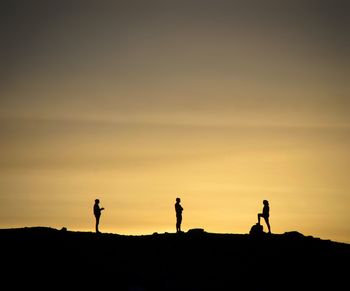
{"x":221,"y":103}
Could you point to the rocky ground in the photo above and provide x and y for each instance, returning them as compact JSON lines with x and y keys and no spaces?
{"x":46,"y":258}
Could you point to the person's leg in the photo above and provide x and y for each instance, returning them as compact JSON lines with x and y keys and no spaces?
{"x":259,"y":215}
{"x":178,"y":223}
{"x":97,"y":223}
{"x":268,"y":223}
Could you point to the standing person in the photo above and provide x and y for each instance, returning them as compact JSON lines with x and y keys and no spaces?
{"x":178,"y":210}
{"x":97,"y":213}
{"x":265,"y":214}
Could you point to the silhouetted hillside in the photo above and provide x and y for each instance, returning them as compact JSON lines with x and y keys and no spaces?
{"x":46,"y":258}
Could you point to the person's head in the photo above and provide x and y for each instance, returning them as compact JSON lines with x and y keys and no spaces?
{"x":97,"y":201}
{"x":178,"y":200}
{"x":266,"y":202}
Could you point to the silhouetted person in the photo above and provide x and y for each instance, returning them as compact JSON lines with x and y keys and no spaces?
{"x":178,"y":210}
{"x":265,"y":214}
{"x":97,"y":213}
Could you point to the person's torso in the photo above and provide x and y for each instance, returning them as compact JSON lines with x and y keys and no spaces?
{"x":97,"y":210}
{"x":178,"y":208}
{"x":266,"y":210}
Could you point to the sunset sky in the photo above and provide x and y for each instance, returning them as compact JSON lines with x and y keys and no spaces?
{"x":220,"y":103}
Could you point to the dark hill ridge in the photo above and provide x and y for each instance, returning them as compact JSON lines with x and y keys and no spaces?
{"x":46,"y":258}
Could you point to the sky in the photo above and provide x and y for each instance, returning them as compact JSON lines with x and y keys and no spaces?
{"x":221,"y":103}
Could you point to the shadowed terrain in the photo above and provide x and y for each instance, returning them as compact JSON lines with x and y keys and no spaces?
{"x":46,"y":258}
